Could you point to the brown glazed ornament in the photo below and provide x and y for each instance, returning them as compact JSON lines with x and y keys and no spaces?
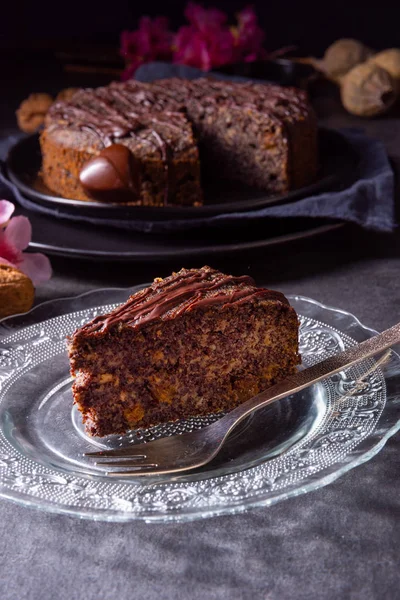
{"x":16,"y":291}
{"x":112,"y":175}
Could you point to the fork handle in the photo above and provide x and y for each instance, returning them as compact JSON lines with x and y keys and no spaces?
{"x":303,"y":379}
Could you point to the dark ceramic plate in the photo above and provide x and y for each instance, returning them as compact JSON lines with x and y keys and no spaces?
{"x":82,"y":240}
{"x":283,"y":71}
{"x":336,"y":158}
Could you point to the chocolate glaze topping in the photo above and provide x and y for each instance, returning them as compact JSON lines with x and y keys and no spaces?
{"x":178,"y":294}
{"x":112,"y":113}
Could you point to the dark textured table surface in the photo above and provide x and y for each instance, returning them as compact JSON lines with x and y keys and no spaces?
{"x":341,"y":541}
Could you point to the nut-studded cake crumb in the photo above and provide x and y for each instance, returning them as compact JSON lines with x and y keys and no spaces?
{"x":195,"y":343}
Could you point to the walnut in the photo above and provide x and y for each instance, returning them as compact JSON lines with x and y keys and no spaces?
{"x":16,"y":291}
{"x":32,"y":111}
{"x":368,"y":90}
{"x":388,"y":60}
{"x":343,"y":55}
{"x":66,"y":94}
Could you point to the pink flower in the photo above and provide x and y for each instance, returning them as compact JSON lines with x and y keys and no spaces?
{"x":207,"y":42}
{"x":205,"y":19}
{"x":202,"y":49}
{"x":15,"y":235}
{"x":249,"y":37}
{"x":151,"y":41}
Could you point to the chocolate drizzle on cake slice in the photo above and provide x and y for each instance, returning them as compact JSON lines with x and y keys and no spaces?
{"x":180,"y":293}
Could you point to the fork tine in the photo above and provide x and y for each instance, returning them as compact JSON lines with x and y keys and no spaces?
{"x":116,"y":453}
{"x":126,"y":463}
{"x":140,"y":471}
{"x":145,"y":470}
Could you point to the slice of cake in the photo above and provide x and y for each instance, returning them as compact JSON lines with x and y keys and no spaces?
{"x":194,"y":343}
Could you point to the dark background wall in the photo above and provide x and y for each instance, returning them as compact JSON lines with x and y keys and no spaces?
{"x":311,"y":25}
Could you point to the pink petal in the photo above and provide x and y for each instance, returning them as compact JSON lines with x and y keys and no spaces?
{"x":151,"y":41}
{"x":18,"y":232}
{"x":247,"y":15}
{"x":8,"y":252}
{"x":3,"y":261}
{"x":6,"y":210}
{"x":124,"y":43}
{"x":130,"y":70}
{"x":249,"y":36}
{"x":36,"y":266}
{"x":204,"y":19}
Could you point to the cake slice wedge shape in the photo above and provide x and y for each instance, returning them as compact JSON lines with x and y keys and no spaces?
{"x":195,"y":343}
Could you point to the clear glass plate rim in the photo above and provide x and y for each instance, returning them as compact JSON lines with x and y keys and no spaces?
{"x":115,"y":515}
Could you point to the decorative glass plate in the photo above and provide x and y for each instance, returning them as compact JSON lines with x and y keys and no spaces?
{"x":297,"y":445}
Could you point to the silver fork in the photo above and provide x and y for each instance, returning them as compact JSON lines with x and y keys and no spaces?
{"x":195,"y":449}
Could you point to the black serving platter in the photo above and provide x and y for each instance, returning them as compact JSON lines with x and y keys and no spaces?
{"x":62,"y":237}
{"x":336,"y":159}
{"x":282,"y":71}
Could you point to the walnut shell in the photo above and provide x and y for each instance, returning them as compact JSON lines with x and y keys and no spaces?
{"x":368,"y":90}
{"x":388,"y":60}
{"x":343,"y":55}
{"x":16,"y":291}
{"x":32,"y":111}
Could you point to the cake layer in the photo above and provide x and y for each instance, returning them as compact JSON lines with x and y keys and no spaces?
{"x":195,"y":343}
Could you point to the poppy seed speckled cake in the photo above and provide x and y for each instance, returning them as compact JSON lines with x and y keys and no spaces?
{"x":194,"y":343}
{"x":142,"y":143}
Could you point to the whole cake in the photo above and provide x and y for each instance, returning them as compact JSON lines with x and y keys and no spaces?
{"x":142,"y":142}
{"x":194,"y":343}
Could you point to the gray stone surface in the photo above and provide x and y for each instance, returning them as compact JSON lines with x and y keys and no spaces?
{"x":341,"y":541}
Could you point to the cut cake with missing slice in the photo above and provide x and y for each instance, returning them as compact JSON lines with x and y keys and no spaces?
{"x":261,"y":135}
{"x":194,"y":343}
